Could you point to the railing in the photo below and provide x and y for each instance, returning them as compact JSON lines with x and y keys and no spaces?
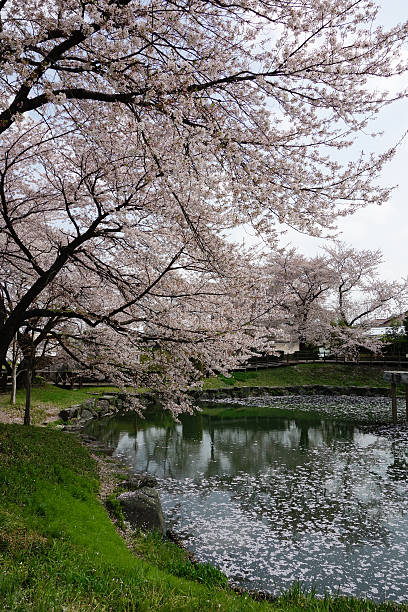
{"x":269,"y":361}
{"x":68,"y":379}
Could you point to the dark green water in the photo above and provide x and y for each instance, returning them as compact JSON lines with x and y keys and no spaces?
{"x":275,"y":500}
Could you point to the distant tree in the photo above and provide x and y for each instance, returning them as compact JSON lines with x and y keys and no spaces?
{"x":331,"y":299}
{"x":358,"y":295}
{"x":303,"y":285}
{"x":33,"y":338}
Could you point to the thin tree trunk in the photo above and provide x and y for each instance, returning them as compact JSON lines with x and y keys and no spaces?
{"x":13,"y":384}
{"x":27,"y":411}
{"x":14,"y":372}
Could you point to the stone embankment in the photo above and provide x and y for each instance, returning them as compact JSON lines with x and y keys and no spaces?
{"x":216,"y":394}
{"x":137,"y":494}
{"x":139,"y":499}
{"x":101,"y":406}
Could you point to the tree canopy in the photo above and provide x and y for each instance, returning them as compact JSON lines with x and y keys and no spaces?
{"x":134,"y":135}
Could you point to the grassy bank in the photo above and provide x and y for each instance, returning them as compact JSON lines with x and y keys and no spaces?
{"x":45,"y":399}
{"x":59,"y":550}
{"x":331,"y":374}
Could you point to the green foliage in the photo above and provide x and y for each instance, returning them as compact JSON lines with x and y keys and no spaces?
{"x":396,"y":343}
{"x":38,"y":381}
{"x":115,"y":510}
{"x":175,"y":560}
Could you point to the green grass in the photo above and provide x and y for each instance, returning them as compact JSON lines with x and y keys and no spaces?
{"x":303,"y":374}
{"x":174,"y":560}
{"x":46,"y":398}
{"x":59,"y":550}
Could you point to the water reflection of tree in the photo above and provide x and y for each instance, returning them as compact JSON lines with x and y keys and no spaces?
{"x":298,"y":475}
{"x":109,"y":430}
{"x":264,"y":442}
{"x":295,"y":499}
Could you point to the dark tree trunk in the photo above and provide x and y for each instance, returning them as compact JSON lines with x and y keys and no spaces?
{"x":25,"y":363}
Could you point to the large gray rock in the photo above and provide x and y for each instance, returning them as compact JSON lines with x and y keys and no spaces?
{"x":103,"y":404}
{"x":142,"y":508}
{"x":138,"y":481}
{"x":86,"y":415}
{"x":69,"y":413}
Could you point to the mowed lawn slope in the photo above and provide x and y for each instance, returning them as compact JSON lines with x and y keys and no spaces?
{"x":331,"y":374}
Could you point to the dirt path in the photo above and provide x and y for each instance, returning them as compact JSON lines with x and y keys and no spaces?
{"x":11,"y":415}
{"x":41,"y":415}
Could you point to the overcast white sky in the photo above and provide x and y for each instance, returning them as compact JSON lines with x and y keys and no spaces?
{"x":384,"y":227}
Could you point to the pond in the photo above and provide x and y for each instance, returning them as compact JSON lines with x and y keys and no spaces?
{"x":279,"y":499}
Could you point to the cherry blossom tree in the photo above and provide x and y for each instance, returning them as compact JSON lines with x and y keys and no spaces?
{"x":304,"y":285}
{"x":331,"y":299}
{"x":34,"y":337}
{"x":134,"y":135}
{"x":153,"y":283}
{"x":359,"y":294}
